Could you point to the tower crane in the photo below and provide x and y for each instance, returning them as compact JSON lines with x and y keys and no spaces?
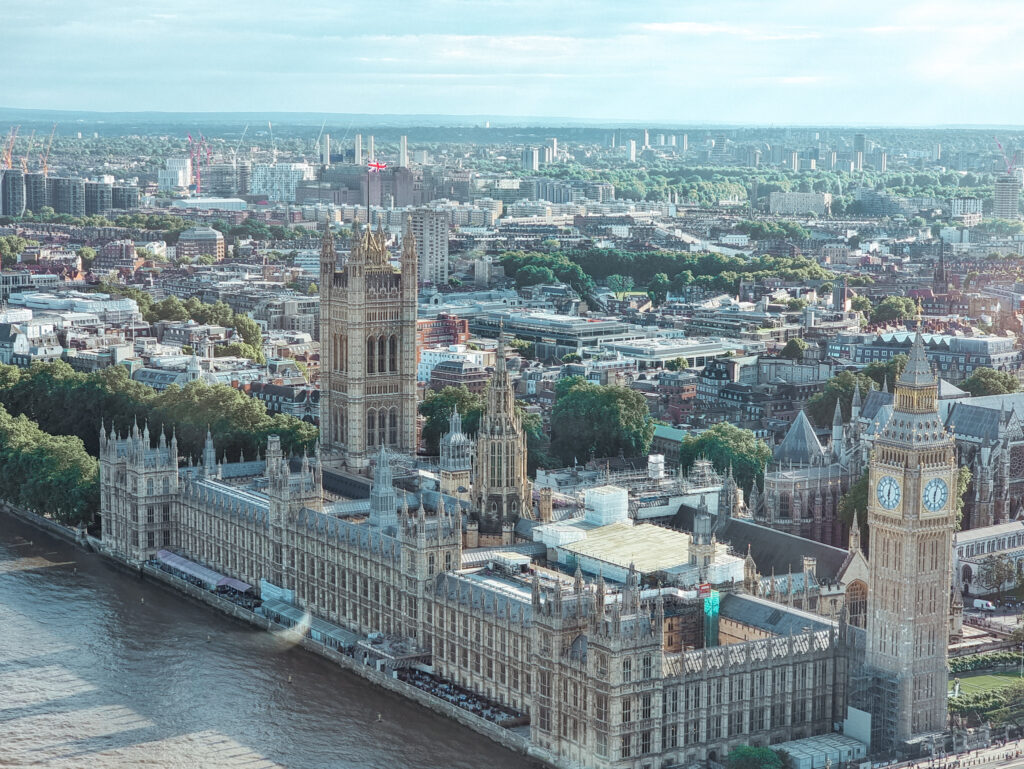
{"x":1010,"y":166}
{"x":28,"y":149}
{"x":9,"y":148}
{"x":234,"y":155}
{"x":45,"y":157}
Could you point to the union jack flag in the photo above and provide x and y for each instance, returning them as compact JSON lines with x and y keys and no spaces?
{"x":376,"y":167}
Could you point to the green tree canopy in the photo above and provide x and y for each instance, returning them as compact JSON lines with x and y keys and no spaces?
{"x":894,"y":308}
{"x":988,"y":381}
{"x":48,"y":474}
{"x":619,"y":284}
{"x":996,"y":570}
{"x":658,"y":288}
{"x":887,"y":371}
{"x":727,"y":445}
{"x":590,"y":420}
{"x":438,"y":406}
{"x":821,"y":407}
{"x":66,"y":402}
{"x":861,"y":304}
{"x":533,"y":275}
{"x":795,"y":349}
{"x":88,"y":256}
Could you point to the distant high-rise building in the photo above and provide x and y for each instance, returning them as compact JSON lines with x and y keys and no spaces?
{"x":647,"y":138}
{"x":859,"y":143}
{"x":430,"y":229}
{"x":222,"y":179}
{"x":35,"y":191}
{"x":858,"y":160}
{"x":278,"y":181}
{"x":124,"y":196}
{"x":357,"y":156}
{"x":12,"y":192}
{"x":403,"y":151}
{"x":1007,"y":197}
{"x":175,"y":175}
{"x":660,"y":139}
{"x":549,"y":156}
{"x":632,"y":150}
{"x":371,"y":150}
{"x":672,"y":140}
{"x":531,"y":158}
{"x":684,"y":143}
{"x":66,"y":196}
{"x":937,"y":152}
{"x":794,"y":161}
{"x":325,"y":150}
{"x":99,"y":198}
{"x":553,"y":144}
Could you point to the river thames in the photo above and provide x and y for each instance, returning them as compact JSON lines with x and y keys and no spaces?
{"x":100,"y":669}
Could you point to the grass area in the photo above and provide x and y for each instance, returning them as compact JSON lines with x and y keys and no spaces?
{"x":982,"y":682}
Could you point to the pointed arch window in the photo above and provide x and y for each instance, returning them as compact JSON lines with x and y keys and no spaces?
{"x":371,"y":348}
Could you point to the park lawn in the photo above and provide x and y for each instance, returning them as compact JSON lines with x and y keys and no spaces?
{"x":980,"y":682}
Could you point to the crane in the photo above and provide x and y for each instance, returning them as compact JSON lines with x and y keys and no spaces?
{"x":9,"y":148}
{"x":28,"y":149}
{"x":234,"y":155}
{"x":1009,"y":165}
{"x":319,"y":136}
{"x":45,"y":157}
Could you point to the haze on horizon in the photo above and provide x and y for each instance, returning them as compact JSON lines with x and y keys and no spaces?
{"x":911,"y":63}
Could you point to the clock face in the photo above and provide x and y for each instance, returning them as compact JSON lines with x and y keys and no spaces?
{"x":936,"y":492}
{"x":888,"y":491}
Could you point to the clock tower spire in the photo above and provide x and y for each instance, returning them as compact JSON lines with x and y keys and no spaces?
{"x":911,"y":520}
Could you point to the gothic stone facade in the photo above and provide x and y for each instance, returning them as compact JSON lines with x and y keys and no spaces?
{"x":368,"y":350}
{"x":591,"y":665}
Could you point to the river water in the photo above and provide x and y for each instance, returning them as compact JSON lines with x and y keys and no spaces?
{"x":99,"y":669}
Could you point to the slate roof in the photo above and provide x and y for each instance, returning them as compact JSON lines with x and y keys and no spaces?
{"x":801,"y":445}
{"x":770,"y":548}
{"x":974,"y":421}
{"x":766,"y":615}
{"x":875,"y":400}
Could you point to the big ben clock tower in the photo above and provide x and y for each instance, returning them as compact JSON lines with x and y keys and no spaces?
{"x":911,"y":519}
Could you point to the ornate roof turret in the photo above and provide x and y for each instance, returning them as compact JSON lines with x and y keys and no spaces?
{"x":918,"y":372}
{"x":800,"y":446}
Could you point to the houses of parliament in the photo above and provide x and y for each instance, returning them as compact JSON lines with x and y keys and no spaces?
{"x":611,"y":672}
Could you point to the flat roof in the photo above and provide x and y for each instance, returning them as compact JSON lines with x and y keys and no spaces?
{"x":648,"y":547}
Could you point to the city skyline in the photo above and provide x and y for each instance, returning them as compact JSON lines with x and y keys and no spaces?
{"x":736,"y":63}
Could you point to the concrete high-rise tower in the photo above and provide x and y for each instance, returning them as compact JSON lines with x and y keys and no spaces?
{"x":1007,"y":197}
{"x":326,"y":150}
{"x":357,"y":156}
{"x":403,"y":151}
{"x":912,"y":481}
{"x":430,"y":230}
{"x":368,"y":350}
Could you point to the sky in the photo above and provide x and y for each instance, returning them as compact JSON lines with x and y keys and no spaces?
{"x":821,"y":62}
